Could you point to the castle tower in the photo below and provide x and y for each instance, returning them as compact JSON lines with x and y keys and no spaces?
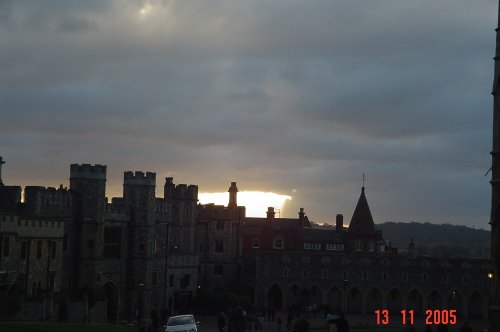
{"x":233,"y":192}
{"x":181,"y":203}
{"x":86,"y":232}
{"x":139,"y":200}
{"x":139,"y":196}
{"x":495,"y":191}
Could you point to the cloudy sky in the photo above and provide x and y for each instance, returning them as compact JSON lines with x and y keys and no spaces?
{"x":294,"y":97}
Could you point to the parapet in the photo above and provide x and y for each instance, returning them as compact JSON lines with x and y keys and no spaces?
{"x":139,"y":178}
{"x":186,"y":192}
{"x":87,"y":171}
{"x":180,"y":191}
{"x":47,"y":201}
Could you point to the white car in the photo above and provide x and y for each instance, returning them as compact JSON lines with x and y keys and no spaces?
{"x":182,"y":323}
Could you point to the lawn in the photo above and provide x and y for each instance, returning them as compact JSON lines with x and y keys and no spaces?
{"x":42,"y":327}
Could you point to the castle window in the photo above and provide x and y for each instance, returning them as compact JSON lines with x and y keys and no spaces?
{"x":384,"y":276}
{"x":39,"y":249}
{"x":24,"y":250}
{"x":219,"y":246}
{"x":218,"y":270}
{"x":22,"y":279}
{"x":255,"y":243}
{"x":171,"y":280}
{"x":154,"y":278}
{"x":335,"y":246}
{"x":365,"y":275}
{"x":424,"y":277}
{"x":371,"y":246}
{"x":445,"y":278}
{"x":154,"y":244}
{"x":405,"y":276}
{"x":305,"y":273}
{"x":65,"y":242}
{"x":465,"y":279}
{"x":53,"y":249}
{"x":278,"y":242}
{"x":220,"y":225}
{"x":286,"y":272}
{"x":90,"y":244}
{"x":185,"y":281}
{"x":112,"y":242}
{"x":324,"y":274}
{"x":312,"y":246}
{"x":346,"y":275}
{"x":359,"y":246}
{"x":6,"y":246}
{"x":52,"y":279}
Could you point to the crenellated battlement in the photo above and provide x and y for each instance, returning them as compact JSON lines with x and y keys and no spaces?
{"x":139,"y":178}
{"x":47,"y":201}
{"x":87,"y":171}
{"x":180,"y":191}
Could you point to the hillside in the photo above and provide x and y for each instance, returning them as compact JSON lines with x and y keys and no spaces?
{"x":438,"y":240}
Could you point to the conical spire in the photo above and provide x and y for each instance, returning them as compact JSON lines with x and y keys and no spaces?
{"x":362,"y":220}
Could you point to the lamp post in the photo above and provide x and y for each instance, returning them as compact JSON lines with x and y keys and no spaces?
{"x":140,"y":285}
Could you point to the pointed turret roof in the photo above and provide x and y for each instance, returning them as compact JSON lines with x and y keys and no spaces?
{"x":362,"y":220}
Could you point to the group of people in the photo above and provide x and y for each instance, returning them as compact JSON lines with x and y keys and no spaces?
{"x":235,"y":321}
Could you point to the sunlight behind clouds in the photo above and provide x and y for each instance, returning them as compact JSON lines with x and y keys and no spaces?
{"x":256,"y":202}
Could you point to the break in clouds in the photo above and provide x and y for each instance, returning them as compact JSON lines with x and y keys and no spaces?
{"x":298,"y":98}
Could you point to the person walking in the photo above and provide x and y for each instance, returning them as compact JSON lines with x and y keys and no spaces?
{"x":221,"y":322}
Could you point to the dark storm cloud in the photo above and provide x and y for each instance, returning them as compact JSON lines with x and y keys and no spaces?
{"x":275,"y":95}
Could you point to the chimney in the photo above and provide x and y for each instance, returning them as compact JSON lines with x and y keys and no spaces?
{"x":301,"y":214}
{"x":270,"y":213}
{"x":233,"y":192}
{"x":339,"y":223}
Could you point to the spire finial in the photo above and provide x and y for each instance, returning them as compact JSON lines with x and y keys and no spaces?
{"x":364,"y":179}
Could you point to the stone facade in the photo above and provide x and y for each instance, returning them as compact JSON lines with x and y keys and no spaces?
{"x":73,"y":255}
{"x":128,"y":259}
{"x":353,"y":269}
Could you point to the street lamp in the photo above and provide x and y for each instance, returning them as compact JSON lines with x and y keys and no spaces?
{"x":140,"y":285}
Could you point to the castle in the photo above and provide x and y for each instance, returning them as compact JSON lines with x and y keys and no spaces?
{"x":70,"y":254}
